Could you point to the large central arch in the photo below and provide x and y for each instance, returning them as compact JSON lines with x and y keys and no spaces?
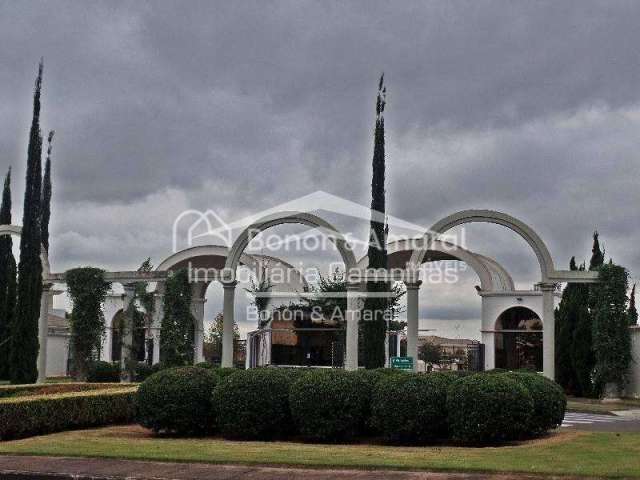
{"x":241,"y":243}
{"x":487,"y":216}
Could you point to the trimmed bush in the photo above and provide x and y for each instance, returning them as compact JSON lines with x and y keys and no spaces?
{"x":329,"y":405}
{"x":549,"y":400}
{"x":103,"y":372}
{"x":254,"y":404}
{"x":224,"y":372}
{"x":177,"y":401}
{"x":488,"y":408}
{"x":144,"y":371}
{"x":11,"y":391}
{"x":412,"y":408}
{"x":37,"y":415}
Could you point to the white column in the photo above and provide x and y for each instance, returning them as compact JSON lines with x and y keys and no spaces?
{"x":488,"y":336}
{"x":43,"y":331}
{"x":105,"y":352}
{"x":156,"y":326}
{"x":549,"y":330}
{"x":127,"y":336}
{"x":413,"y":320}
{"x":197,"y":310}
{"x":352,"y":318}
{"x":228,"y":323}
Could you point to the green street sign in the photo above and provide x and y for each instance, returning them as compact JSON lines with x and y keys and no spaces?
{"x":402,"y":363}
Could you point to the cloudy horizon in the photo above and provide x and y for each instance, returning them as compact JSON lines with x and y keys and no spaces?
{"x":532,"y":109}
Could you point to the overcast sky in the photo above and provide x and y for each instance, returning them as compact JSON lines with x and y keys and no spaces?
{"x":531,"y":108}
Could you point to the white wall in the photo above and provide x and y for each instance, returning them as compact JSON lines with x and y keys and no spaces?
{"x":57,"y":355}
{"x":633,"y":388}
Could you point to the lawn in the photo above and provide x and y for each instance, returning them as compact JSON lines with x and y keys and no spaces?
{"x":567,"y":453}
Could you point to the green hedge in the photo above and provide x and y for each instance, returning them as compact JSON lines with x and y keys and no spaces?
{"x":178,"y":401}
{"x":411,"y":408}
{"x":488,"y":408}
{"x":11,"y":391}
{"x":104,"y":372}
{"x":549,"y":400}
{"x":329,"y":405}
{"x":36,"y":415}
{"x":254,"y":404}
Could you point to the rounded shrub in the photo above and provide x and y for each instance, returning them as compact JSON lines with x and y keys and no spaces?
{"x":225,"y":372}
{"x":103,"y":372}
{"x":488,"y":408}
{"x":204,"y":365}
{"x":371,"y":377}
{"x":329,"y":405}
{"x":253,"y":404}
{"x":412,"y":408}
{"x":177,"y":401}
{"x":549,"y":400}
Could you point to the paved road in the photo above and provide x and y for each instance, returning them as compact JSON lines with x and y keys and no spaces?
{"x":601,"y":423}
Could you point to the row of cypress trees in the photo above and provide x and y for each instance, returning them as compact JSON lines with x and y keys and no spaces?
{"x":586,"y":319}
{"x":20,"y":300}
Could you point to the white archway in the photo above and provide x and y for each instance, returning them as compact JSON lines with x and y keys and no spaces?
{"x":236,"y":252}
{"x":488,"y":216}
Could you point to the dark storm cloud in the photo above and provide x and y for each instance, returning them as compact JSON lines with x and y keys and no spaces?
{"x":527,"y":107}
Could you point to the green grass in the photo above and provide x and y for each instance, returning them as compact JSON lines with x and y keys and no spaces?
{"x":566,"y":453}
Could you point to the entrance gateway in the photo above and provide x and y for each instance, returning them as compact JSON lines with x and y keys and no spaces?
{"x":496,"y":299}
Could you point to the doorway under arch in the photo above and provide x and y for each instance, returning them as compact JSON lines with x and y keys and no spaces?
{"x":518,"y":340}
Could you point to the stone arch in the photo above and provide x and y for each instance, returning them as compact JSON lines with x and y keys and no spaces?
{"x":508,"y":308}
{"x":16,"y":230}
{"x":519,"y":343}
{"x":281,"y":218}
{"x":488,"y":216}
{"x":252,"y":262}
{"x":442,"y":251}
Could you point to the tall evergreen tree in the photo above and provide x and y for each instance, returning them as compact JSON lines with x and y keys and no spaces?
{"x":597,"y":254}
{"x":566,"y":318}
{"x":633,"y":312}
{"x":611,"y":336}
{"x":7,"y":279}
{"x":46,"y":194}
{"x":376,"y":307}
{"x":583,"y":353}
{"x":24,"y":338}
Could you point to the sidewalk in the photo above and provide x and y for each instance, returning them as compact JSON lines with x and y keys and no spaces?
{"x":57,"y":468}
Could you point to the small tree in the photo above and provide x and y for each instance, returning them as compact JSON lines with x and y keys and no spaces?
{"x":430,"y":353}
{"x":259,"y":289}
{"x":633,"y":312}
{"x":177,"y":334}
{"x":611,"y":336}
{"x":87,"y":289}
{"x":213,"y":337}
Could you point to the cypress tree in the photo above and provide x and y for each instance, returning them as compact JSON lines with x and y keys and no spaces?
{"x":24,"y":338}
{"x":566,"y":318}
{"x":46,"y":194}
{"x":583,"y":353}
{"x":633,"y":312}
{"x":611,"y":336}
{"x":7,"y":279}
{"x":376,"y":308}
